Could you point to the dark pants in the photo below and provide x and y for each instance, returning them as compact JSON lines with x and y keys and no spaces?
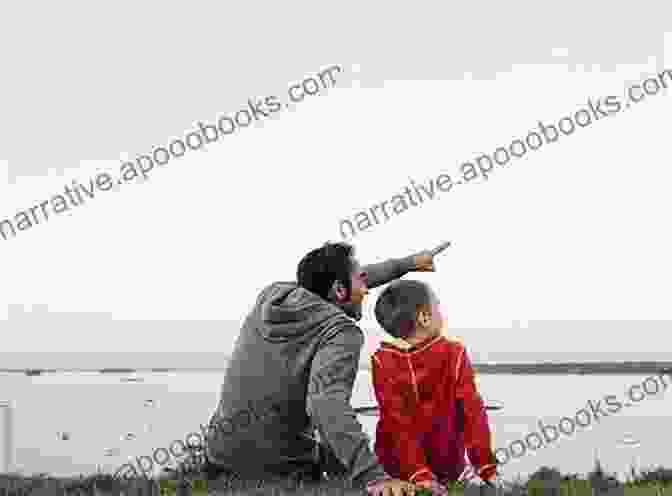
{"x":326,"y":467}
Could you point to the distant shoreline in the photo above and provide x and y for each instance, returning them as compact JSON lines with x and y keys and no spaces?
{"x":560,"y":368}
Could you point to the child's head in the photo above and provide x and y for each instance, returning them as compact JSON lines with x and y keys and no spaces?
{"x":409,"y":308}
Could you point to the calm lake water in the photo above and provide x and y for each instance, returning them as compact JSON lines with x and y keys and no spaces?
{"x":99,"y":412}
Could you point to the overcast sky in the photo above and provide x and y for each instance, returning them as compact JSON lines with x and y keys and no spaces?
{"x":576,"y":230}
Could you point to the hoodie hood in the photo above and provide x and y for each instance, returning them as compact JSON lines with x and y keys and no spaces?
{"x":286,"y":311}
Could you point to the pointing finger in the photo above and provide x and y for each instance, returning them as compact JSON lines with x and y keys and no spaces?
{"x":440,"y":248}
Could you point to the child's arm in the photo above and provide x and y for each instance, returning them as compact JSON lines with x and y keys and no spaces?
{"x":400,"y":424}
{"x":477,"y":436}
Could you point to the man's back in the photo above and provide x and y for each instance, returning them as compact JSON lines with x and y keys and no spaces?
{"x":262,"y":418}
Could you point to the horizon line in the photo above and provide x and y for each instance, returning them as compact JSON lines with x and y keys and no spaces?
{"x":564,"y":367}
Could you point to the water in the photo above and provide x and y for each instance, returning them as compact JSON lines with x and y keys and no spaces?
{"x":99,"y":411}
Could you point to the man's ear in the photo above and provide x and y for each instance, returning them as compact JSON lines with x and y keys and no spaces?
{"x":339,"y":291}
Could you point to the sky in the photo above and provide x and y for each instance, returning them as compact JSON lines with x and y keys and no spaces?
{"x":576,"y":230}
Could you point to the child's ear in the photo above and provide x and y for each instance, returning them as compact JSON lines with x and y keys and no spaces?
{"x":424,"y":317}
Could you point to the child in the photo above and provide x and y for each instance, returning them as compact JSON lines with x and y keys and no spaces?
{"x":430,"y":410}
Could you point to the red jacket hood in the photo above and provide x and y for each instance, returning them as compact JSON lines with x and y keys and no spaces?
{"x":396,"y":352}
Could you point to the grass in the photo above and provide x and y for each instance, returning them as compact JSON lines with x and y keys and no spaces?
{"x":545,"y":481}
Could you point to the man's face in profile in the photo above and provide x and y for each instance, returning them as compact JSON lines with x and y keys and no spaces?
{"x":360,"y":289}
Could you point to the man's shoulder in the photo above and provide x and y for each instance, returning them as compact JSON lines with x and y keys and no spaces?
{"x":341,"y":324}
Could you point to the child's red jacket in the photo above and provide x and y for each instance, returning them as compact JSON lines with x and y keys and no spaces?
{"x":430,"y":410}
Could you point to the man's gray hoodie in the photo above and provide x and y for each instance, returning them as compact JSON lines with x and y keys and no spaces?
{"x":292,"y":371}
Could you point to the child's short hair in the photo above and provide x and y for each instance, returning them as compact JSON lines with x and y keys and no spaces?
{"x":397,"y":306}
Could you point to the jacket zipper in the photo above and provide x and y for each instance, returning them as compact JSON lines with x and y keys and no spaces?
{"x":414,"y":380}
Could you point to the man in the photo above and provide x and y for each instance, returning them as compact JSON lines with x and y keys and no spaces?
{"x":292,"y":371}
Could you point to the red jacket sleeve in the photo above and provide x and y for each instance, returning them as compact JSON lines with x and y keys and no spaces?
{"x":477,"y":436}
{"x":397,"y":412}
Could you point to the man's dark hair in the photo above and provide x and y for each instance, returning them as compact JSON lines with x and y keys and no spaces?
{"x":397,"y":306}
{"x":318,"y":270}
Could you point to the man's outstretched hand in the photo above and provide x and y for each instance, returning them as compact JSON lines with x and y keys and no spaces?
{"x":424,"y":261}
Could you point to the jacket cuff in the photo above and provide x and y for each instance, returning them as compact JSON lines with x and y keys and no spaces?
{"x":424,"y":474}
{"x":487,"y":470}
{"x":406,"y":265}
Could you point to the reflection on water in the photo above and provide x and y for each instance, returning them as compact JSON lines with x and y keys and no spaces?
{"x":108,"y":422}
